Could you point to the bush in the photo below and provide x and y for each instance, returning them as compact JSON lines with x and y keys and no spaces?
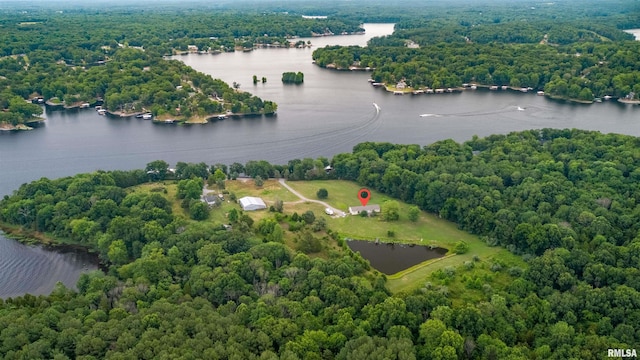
{"x":391,"y":233}
{"x":309,"y":244}
{"x":461,"y":247}
{"x":390,"y":210}
{"x":308,"y":216}
{"x":495,"y":267}
{"x":198,"y":210}
{"x":295,"y":226}
{"x":322,"y":193}
{"x":516,"y":271}
{"x":414,"y":213}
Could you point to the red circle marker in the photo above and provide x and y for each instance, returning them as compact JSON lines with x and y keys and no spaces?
{"x":364,"y":195}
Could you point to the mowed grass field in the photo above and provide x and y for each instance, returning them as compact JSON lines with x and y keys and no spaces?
{"x":427,"y":230}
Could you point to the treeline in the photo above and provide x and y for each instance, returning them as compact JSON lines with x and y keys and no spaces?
{"x":571,"y":54}
{"x":118,"y":59}
{"x":159,"y":32}
{"x":565,"y":199}
{"x":578,"y":71}
{"x":563,"y":33}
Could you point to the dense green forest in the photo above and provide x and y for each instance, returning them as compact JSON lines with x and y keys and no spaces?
{"x":566,"y":200}
{"x":48,"y":52}
{"x":580,"y":56}
{"x":119,"y":58}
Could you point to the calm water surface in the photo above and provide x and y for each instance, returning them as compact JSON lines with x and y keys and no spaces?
{"x":36,"y":270}
{"x":330,"y":113}
{"x":635,"y":32}
{"x":391,"y":258}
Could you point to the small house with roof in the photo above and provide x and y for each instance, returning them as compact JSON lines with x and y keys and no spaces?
{"x":370,"y":209}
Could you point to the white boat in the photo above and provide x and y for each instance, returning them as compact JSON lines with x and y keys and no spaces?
{"x":377,"y":107}
{"x":147,"y":116}
{"x":102,"y":111}
{"x":520,"y":109}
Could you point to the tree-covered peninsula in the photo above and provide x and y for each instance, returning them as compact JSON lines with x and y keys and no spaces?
{"x":279,"y":285}
{"x":116,"y":56}
{"x":581,"y":55}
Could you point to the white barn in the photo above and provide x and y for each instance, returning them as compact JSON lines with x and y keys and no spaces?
{"x":250,"y":203}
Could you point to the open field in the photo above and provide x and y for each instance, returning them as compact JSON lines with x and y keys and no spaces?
{"x":269,"y":192}
{"x":168,"y":188}
{"x":428,"y":230}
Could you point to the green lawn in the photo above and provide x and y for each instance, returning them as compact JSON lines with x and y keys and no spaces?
{"x":270,"y":191}
{"x":428,"y":230}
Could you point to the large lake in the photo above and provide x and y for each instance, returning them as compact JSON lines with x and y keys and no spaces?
{"x":330,"y":113}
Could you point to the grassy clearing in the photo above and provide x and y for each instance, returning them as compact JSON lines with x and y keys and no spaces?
{"x":477,"y":283}
{"x":428,"y":230}
{"x":269,"y":192}
{"x":408,"y":280}
{"x":167,"y":188}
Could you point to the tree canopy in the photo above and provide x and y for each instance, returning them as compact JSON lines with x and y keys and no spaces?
{"x":566,"y":200}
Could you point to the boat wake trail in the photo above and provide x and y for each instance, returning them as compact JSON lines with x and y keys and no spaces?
{"x":504,"y":110}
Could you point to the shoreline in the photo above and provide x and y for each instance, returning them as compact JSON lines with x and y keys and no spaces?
{"x":36,"y":238}
{"x":627,"y":101}
{"x":464,"y":87}
{"x":20,"y":127}
{"x":428,"y":91}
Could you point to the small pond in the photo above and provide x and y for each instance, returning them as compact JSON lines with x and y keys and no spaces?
{"x":391,"y":258}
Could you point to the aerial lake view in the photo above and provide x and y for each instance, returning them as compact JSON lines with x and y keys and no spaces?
{"x":334,"y":180}
{"x":330,"y":113}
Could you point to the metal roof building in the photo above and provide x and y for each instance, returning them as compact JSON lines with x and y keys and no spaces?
{"x":250,"y":203}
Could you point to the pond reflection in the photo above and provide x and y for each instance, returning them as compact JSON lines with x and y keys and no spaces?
{"x":389,"y":258}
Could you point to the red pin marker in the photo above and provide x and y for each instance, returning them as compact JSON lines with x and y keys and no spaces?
{"x":364,"y":195}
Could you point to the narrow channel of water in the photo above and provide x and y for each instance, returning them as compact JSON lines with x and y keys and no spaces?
{"x":391,"y":258}
{"x":36,"y":270}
